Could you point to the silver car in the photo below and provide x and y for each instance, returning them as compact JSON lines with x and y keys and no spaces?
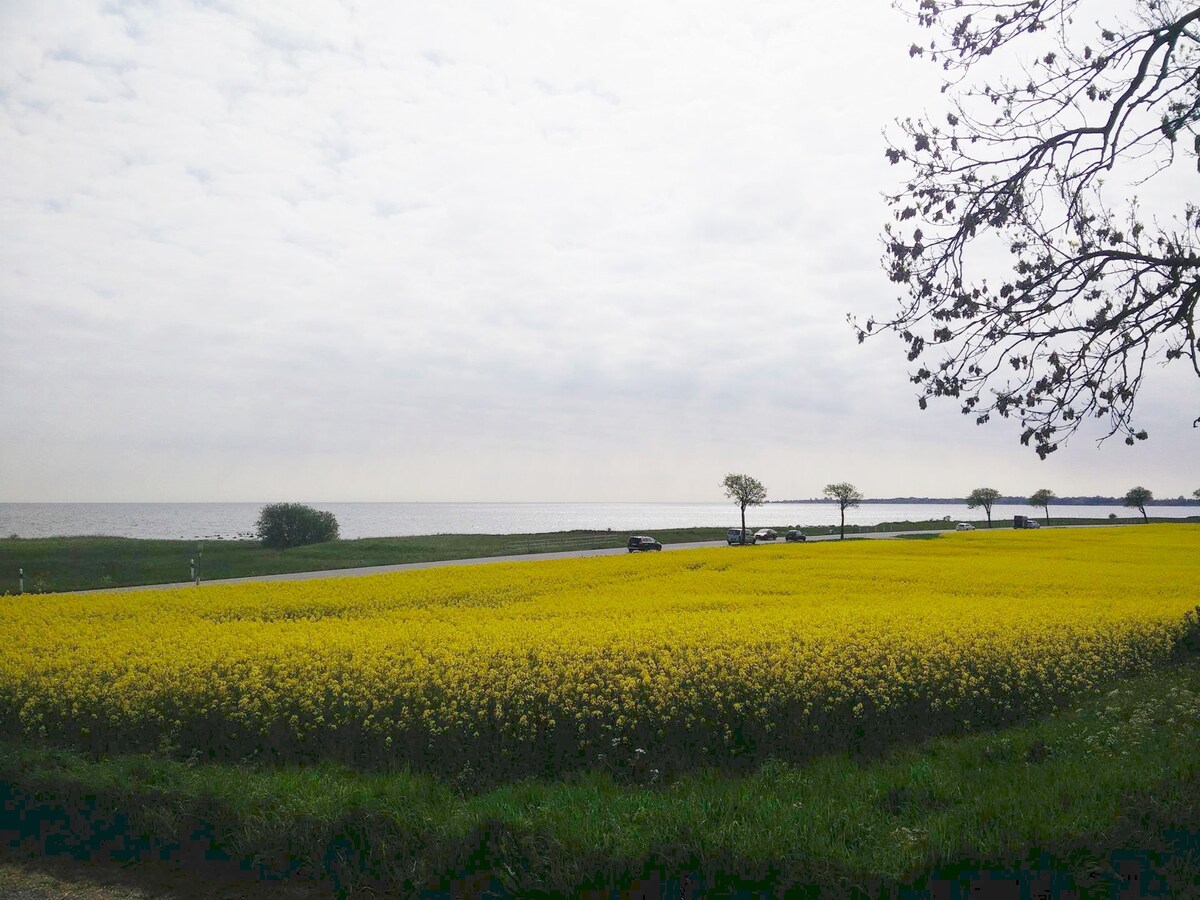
{"x":734,"y":536}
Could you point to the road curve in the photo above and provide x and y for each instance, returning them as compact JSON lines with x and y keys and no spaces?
{"x":474,"y":561}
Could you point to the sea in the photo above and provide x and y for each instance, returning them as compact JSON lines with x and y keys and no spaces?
{"x":232,"y":521}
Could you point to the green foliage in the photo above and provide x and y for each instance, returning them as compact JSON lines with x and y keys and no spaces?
{"x":846,"y":495}
{"x":87,"y":563}
{"x":983,"y":497}
{"x":1137,"y":498}
{"x":1189,"y":643}
{"x":284,"y":525}
{"x":1042,"y":498}
{"x":744,"y":491}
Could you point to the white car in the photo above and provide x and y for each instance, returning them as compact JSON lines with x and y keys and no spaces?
{"x":964,"y":526}
{"x":734,"y":536}
{"x":765,"y":534}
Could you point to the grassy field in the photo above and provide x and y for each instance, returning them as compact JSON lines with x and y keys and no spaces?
{"x":95,"y":563}
{"x":863,"y":715}
{"x":88,"y":563}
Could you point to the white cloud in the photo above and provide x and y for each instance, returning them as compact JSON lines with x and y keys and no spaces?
{"x":461,"y":251}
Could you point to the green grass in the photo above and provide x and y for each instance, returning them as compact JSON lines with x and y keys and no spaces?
{"x":86,"y":563}
{"x":1067,"y":794}
{"x":91,"y":563}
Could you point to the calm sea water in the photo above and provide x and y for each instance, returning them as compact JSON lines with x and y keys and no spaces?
{"x":193,"y":521}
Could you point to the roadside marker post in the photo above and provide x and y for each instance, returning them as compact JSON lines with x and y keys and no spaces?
{"x":21,"y":580}
{"x":192,"y":571}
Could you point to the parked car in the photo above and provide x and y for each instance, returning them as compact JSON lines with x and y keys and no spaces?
{"x":964,"y":526}
{"x":643,"y":542}
{"x":795,"y":535}
{"x":766,"y":534}
{"x":734,"y":536}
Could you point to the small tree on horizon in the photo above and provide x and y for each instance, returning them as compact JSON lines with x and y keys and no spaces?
{"x":846,"y":495}
{"x":1196,"y":493}
{"x":983,"y":497}
{"x":1137,"y":498}
{"x":744,"y":491}
{"x":1042,"y":498}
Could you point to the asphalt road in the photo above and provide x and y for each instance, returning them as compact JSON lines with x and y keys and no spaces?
{"x":521,"y":557}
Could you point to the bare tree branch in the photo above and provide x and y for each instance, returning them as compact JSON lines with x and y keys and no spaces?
{"x":1044,"y":167}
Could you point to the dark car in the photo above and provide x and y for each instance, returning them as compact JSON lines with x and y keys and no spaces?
{"x":643,"y":542}
{"x":795,"y":535}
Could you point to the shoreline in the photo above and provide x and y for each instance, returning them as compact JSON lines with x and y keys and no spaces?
{"x":72,"y":564}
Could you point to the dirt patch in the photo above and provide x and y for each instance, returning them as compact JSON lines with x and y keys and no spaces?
{"x":43,"y":878}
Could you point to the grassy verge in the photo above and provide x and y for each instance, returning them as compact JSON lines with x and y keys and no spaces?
{"x":1082,"y":800}
{"x":90,"y":563}
{"x":84,"y":563}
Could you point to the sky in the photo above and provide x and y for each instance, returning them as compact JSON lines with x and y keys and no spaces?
{"x":475,"y":251}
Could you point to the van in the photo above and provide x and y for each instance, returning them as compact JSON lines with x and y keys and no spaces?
{"x":734,"y":536}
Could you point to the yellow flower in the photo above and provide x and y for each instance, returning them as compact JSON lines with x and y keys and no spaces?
{"x":786,"y":642}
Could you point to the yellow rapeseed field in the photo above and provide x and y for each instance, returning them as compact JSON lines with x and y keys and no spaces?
{"x":638,"y":661}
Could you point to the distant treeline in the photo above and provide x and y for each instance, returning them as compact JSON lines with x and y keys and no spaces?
{"x":1011,"y":500}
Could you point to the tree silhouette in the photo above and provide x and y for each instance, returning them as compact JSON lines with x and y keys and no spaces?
{"x":1045,"y":164}
{"x":1138,"y":497}
{"x":1042,"y":498}
{"x":984,"y":497}
{"x":846,"y":495}
{"x":744,"y":491}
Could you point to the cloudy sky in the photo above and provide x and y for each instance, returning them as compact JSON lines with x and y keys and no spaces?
{"x":474,"y":251}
